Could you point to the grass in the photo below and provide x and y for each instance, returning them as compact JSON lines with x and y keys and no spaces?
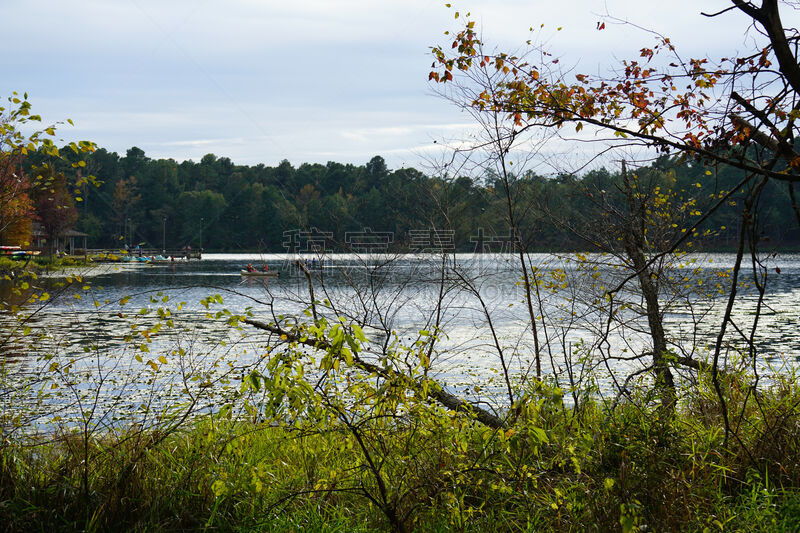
{"x":41,"y":263}
{"x":560,"y":468}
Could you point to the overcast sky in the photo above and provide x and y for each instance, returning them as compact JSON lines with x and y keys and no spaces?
{"x":309,"y":81}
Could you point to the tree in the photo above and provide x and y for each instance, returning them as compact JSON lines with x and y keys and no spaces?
{"x":16,"y":207}
{"x":739,"y":111}
{"x":17,"y":143}
{"x":124,"y":201}
{"x":374,"y":172}
{"x":134,"y":161}
{"x":55,"y":208}
{"x":201,"y":213}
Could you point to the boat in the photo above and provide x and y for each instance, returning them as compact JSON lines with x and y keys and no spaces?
{"x":10,"y":250}
{"x":135,"y":259}
{"x":260,"y":273}
{"x":17,"y":253}
{"x":160,"y":259}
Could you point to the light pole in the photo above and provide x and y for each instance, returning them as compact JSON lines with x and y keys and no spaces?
{"x":164,"y":236}
{"x":128,"y":231}
{"x":201,"y":234}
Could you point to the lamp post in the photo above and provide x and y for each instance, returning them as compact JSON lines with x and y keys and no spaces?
{"x":128,"y":231}
{"x":163,"y":235}
{"x":201,"y":234}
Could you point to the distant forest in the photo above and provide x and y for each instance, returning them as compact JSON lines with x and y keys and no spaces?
{"x":217,"y":205}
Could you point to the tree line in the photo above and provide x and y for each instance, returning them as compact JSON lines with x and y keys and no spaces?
{"x":216,"y":204}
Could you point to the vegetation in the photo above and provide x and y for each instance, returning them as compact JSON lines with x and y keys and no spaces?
{"x":337,"y":414}
{"x":27,"y":192}
{"x":562,"y":468}
{"x":227,"y":207}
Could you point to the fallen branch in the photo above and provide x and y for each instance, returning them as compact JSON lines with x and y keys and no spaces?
{"x":436,"y":391}
{"x":699,"y":366}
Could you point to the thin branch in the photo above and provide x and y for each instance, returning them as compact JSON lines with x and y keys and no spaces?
{"x":437,"y":392}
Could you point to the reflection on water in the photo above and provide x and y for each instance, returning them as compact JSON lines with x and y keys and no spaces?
{"x":168,"y":344}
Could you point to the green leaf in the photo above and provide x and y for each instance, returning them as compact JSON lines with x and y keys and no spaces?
{"x":255,"y":381}
{"x":219,"y":488}
{"x":359,"y":333}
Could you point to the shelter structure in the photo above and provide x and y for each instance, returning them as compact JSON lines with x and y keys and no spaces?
{"x":69,"y":241}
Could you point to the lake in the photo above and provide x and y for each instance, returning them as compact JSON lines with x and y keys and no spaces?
{"x":169,"y":345}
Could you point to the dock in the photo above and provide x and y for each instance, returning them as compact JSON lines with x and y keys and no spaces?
{"x":143,"y":252}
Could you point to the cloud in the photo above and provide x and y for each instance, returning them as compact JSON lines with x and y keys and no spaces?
{"x":204,"y":142}
{"x":264,"y":80}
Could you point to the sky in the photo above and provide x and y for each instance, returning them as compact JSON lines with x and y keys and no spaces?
{"x":260,"y":81}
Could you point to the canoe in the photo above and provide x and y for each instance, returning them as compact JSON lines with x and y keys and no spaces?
{"x":260,"y":273}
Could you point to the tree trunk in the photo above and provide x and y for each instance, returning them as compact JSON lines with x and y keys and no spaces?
{"x":635,"y":243}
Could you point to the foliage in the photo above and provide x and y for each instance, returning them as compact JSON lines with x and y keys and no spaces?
{"x":253,"y":207}
{"x":19,"y":183}
{"x":312,"y":417}
{"x":711,"y":110}
{"x":55,"y":208}
{"x":561,"y":468}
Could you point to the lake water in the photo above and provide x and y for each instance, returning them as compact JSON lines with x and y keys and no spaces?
{"x":89,"y":355}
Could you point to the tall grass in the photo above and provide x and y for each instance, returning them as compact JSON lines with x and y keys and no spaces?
{"x":559,"y":468}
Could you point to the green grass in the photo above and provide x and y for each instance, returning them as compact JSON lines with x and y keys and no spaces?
{"x":559,"y":469}
{"x":40,"y":263}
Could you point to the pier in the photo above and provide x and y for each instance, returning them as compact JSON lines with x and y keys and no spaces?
{"x":180,"y":253}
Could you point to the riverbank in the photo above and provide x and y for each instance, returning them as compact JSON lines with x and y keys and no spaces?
{"x":557,"y":468}
{"x":43,"y":263}
{"x":66,"y":264}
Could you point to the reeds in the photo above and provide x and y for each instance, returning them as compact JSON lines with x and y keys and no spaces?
{"x":558,"y":468}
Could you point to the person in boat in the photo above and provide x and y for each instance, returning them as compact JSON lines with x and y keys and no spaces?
{"x":265,"y":268}
{"x":250,"y":268}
